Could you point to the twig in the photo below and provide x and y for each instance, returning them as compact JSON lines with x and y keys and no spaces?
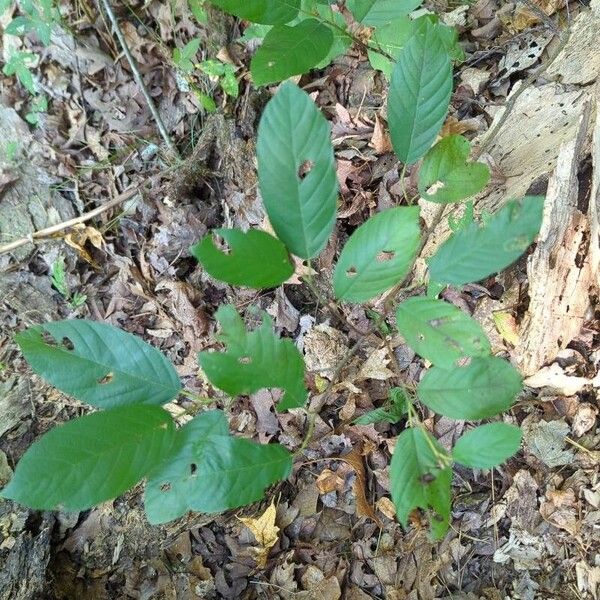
{"x":138,"y":77}
{"x":44,"y":233}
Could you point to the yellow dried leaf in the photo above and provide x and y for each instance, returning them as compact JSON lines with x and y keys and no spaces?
{"x":77,"y":238}
{"x":264,"y":531}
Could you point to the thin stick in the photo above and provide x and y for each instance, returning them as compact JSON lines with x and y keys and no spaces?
{"x":44,"y":233}
{"x":138,"y":77}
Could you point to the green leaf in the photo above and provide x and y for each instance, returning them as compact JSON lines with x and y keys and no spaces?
{"x":419,"y":95}
{"x":198,"y":10}
{"x":440,"y":332}
{"x":289,"y":50}
{"x":446,"y":176}
{"x":268,"y":12}
{"x":390,"y":38}
{"x":378,"y":254}
{"x":255,"y":360}
{"x":254,"y":258}
{"x":475,"y":252}
{"x":487,"y":446}
{"x":294,"y":137}
{"x":392,"y":412}
{"x":92,"y":459}
{"x":485,"y":387}
{"x":341,"y":39}
{"x":99,"y":364}
{"x":376,"y":13}
{"x":211,"y":471}
{"x":421,"y":478}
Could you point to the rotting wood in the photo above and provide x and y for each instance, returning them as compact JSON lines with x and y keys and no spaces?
{"x":559,"y":269}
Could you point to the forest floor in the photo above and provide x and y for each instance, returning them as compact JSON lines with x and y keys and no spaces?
{"x":527,"y":96}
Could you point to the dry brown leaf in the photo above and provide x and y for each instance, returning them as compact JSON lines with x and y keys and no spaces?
{"x":328,"y":481}
{"x":375,"y":367}
{"x":363,"y":508}
{"x":380,"y":140}
{"x":77,"y":238}
{"x":386,"y":506}
{"x":264,"y":531}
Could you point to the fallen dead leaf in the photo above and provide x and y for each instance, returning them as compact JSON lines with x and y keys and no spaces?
{"x":363,"y":507}
{"x":375,"y":367}
{"x":554,"y":378}
{"x":380,"y":140}
{"x":386,"y":506}
{"x":264,"y":531}
{"x":77,"y":238}
{"x":328,"y":481}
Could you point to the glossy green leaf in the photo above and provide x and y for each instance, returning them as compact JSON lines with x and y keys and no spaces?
{"x":421,"y":478}
{"x":446,"y":176}
{"x":211,"y":471}
{"x":378,"y":254}
{"x":289,"y":50}
{"x":475,"y":252}
{"x":485,"y":387}
{"x":254,"y":258}
{"x":440,"y":332}
{"x":98,"y":363}
{"x":487,"y":446}
{"x":92,"y":459}
{"x":296,"y":170}
{"x":255,"y":360}
{"x":376,"y":13}
{"x":419,"y":95}
{"x":268,"y":12}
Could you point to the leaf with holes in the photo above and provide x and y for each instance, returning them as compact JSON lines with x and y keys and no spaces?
{"x":289,"y":50}
{"x":254,"y":258}
{"x":99,"y":364}
{"x":378,"y":254}
{"x":211,"y":471}
{"x":376,"y":13}
{"x":440,"y":332}
{"x":92,"y":459}
{"x":420,"y":477}
{"x":420,"y":92}
{"x":255,"y":360}
{"x":475,"y":252}
{"x":268,"y":12}
{"x":446,"y":176}
{"x":485,"y":387}
{"x":487,"y":446}
{"x":296,"y":171}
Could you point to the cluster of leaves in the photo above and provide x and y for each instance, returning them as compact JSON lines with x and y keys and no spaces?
{"x":199,"y":466}
{"x":39,"y":17}
{"x":296,"y":167}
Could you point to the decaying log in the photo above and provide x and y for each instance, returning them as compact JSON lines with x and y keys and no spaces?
{"x":559,"y":270}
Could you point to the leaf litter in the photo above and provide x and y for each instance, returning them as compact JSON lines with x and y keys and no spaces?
{"x":527,"y":532}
